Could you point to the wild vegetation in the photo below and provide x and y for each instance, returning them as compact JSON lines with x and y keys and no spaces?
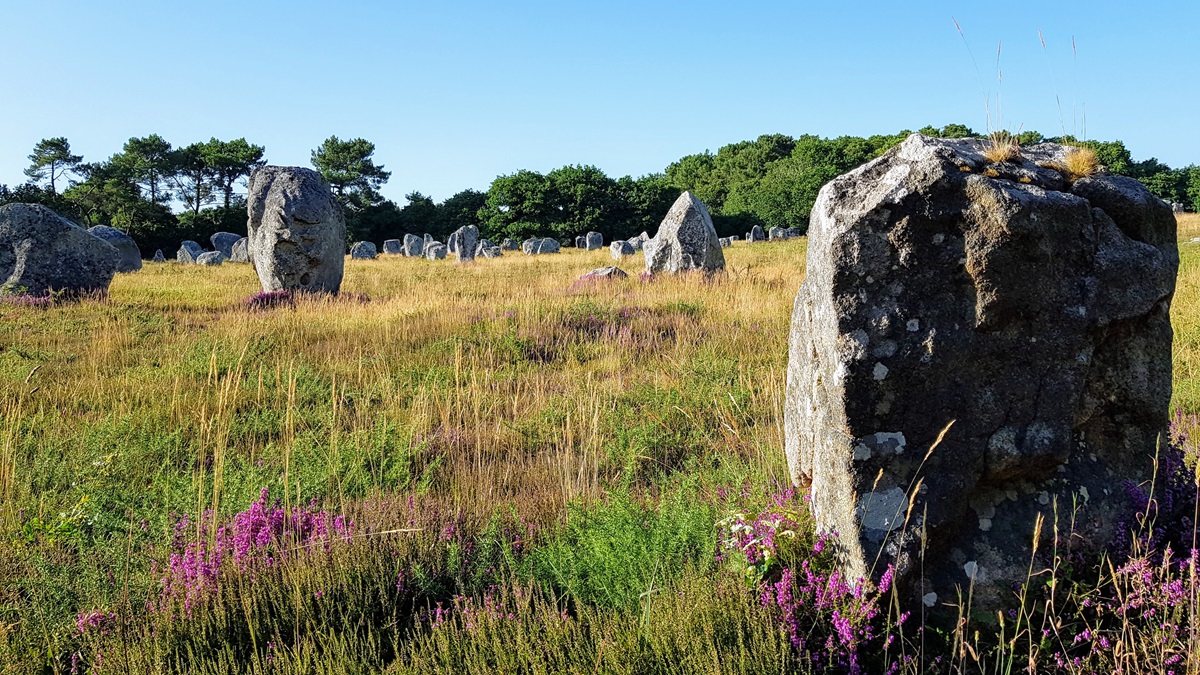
{"x":161,"y":194}
{"x":483,"y":469}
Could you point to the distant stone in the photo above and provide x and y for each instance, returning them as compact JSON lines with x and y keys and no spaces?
{"x":726,"y":242}
{"x":686,"y":240}
{"x":604,"y":274}
{"x":393,"y":247}
{"x":363,"y":250}
{"x":491,"y":252}
{"x":159,"y":257}
{"x":429,"y":241}
{"x":297,"y":230}
{"x":595,"y":241}
{"x":210,"y":259}
{"x":483,"y":243}
{"x":733,"y":237}
{"x":468,"y":240}
{"x":223,"y":242}
{"x":530,"y":246}
{"x":548,"y":245}
{"x":452,"y":242}
{"x":510,"y":245}
{"x":435,"y":251}
{"x":969,"y":350}
{"x":42,"y":252}
{"x":131,"y":256}
{"x":580,"y":242}
{"x":241,"y":251}
{"x":414,"y":246}
{"x":756,"y":234}
{"x":621,"y":248}
{"x":188,"y":252}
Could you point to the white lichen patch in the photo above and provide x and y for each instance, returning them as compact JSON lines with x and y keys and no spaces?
{"x":985,"y":524}
{"x":880,"y":372}
{"x":882,"y":510}
{"x":913,"y":325}
{"x":861,"y":453}
{"x":930,"y":599}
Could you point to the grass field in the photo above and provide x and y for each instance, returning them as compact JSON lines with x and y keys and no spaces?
{"x":472,"y":468}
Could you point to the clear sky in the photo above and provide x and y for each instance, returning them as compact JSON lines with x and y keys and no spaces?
{"x":456,"y":93}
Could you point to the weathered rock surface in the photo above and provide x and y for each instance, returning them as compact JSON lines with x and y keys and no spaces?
{"x":363,"y":250}
{"x":429,"y":240}
{"x":414,"y":246}
{"x":468,"y":241}
{"x":484,"y":244}
{"x":510,"y":245}
{"x":620,"y":248}
{"x":1025,"y":316}
{"x":42,"y":252}
{"x":188,"y":251}
{"x":435,"y":251}
{"x":131,"y":255}
{"x":393,"y":247}
{"x":604,"y":274}
{"x":240,"y":251}
{"x":223,"y":242}
{"x":548,"y":245}
{"x":595,"y":241}
{"x":491,"y":252}
{"x":297,"y":230}
{"x":686,"y":240}
{"x":726,"y":242}
{"x":756,"y":234}
{"x":776,"y":233}
{"x":580,"y":242}
{"x":159,"y":257}
{"x":210,"y":258}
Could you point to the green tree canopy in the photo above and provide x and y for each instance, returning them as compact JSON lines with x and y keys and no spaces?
{"x":52,"y":159}
{"x":353,"y":175}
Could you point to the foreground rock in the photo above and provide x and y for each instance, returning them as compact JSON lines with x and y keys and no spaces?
{"x":42,"y":252}
{"x":363,"y":250}
{"x":210,"y":259}
{"x":468,"y":240}
{"x":130,"y":255}
{"x":1026,"y":317}
{"x":414,"y":246}
{"x":620,"y":249}
{"x":686,"y":240}
{"x":241,"y":251}
{"x":188,"y":252}
{"x":297,"y":230}
{"x":223,"y":242}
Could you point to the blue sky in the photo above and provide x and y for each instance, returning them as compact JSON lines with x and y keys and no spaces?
{"x":456,"y":93}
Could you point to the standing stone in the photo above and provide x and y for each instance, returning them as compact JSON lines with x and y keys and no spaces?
{"x":393,"y":247}
{"x":223,"y":242}
{"x":429,"y":241}
{"x":619,"y":249}
{"x":530,"y":246}
{"x":42,"y":252}
{"x":725,"y":242}
{"x":686,"y":240}
{"x":468,"y":240}
{"x":492,"y":252}
{"x":210,"y":259}
{"x":483,"y":243}
{"x":733,"y":237}
{"x":510,"y":245}
{"x":595,"y":241}
{"x":548,"y":245}
{"x":580,"y":242}
{"x":756,"y":234}
{"x":131,"y":255}
{"x":452,"y":243}
{"x":776,"y":234}
{"x":297,"y":230}
{"x":1021,"y":319}
{"x":363,"y":250}
{"x":414,"y":246}
{"x":435,"y":251}
{"x":241,"y":251}
{"x":188,"y":252}
{"x":159,"y":257}
{"x":636,"y":243}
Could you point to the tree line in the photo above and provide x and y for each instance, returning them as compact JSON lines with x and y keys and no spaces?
{"x":161,"y":194}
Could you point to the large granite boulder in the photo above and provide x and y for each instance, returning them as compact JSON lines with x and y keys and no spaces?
{"x":548,"y":245}
{"x":435,"y":251}
{"x":131,"y":255}
{"x":491,"y":252}
{"x":468,"y":239}
{"x":188,"y":251}
{"x":414,"y":246}
{"x":602,"y":274}
{"x":210,"y":258}
{"x":393,"y":247}
{"x":223,"y":242}
{"x":297,"y":230}
{"x":776,"y":234}
{"x":363,"y":250}
{"x":580,"y":241}
{"x":510,"y":245}
{"x":756,"y":234}
{"x":158,"y":256}
{"x":42,"y":252}
{"x":530,"y":246}
{"x":240,"y":252}
{"x":595,"y":241}
{"x":686,"y":240}
{"x":429,"y":241}
{"x":1015,"y":323}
